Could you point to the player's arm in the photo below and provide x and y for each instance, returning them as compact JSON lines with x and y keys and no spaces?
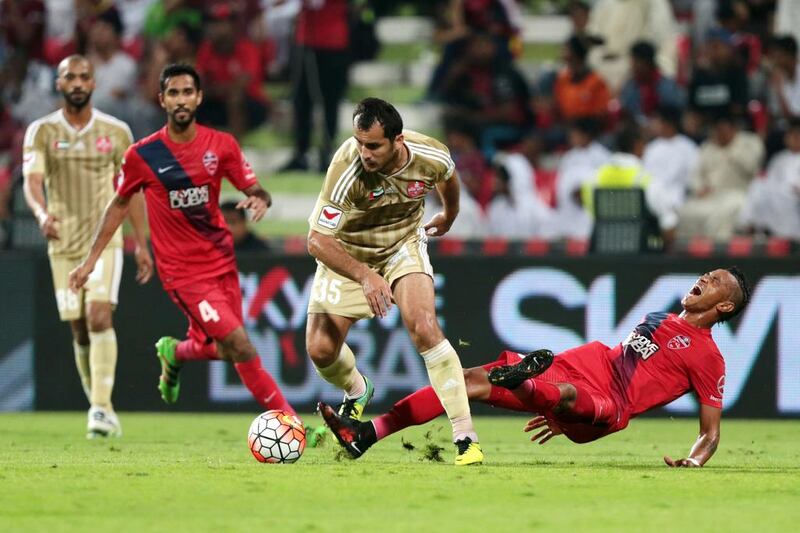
{"x":328,"y":250}
{"x":33,"y":188}
{"x":257,"y":202}
{"x":116,"y":211}
{"x":449,"y":192}
{"x":706,"y":443}
{"x":138,"y":218}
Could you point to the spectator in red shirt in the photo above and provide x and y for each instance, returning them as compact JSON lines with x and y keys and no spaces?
{"x":233,"y":75}
{"x":319,"y":69}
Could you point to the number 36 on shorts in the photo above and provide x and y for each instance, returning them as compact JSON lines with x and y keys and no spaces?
{"x":325,"y":289}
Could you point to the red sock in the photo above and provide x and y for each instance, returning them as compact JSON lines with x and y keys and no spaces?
{"x":417,"y":408}
{"x":190,"y":349}
{"x":541,"y":396}
{"x":262,"y":386}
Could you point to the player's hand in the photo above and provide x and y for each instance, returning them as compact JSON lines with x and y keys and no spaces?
{"x":256,"y":205}
{"x":438,"y":225}
{"x":144,"y":265}
{"x":79,"y":276}
{"x":680,"y":463}
{"x":550,"y":430}
{"x":47,"y":225}
{"x":378,"y":294}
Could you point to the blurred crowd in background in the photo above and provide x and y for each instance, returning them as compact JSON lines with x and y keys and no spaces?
{"x":697,"y":103}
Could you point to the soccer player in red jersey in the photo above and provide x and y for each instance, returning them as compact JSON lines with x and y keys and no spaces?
{"x":592,"y":391}
{"x":180,"y":168}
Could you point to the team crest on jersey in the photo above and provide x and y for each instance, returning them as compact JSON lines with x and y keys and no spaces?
{"x":679,"y":342}
{"x":103,"y":144}
{"x":211,"y":162}
{"x":329,"y":217}
{"x":416,"y":188}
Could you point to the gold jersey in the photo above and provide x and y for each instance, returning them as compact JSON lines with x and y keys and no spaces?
{"x":79,"y":169}
{"x":372,"y":214}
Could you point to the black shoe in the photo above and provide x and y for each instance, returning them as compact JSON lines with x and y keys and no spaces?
{"x":512,"y":376}
{"x":354,"y":436}
{"x":298,"y":163}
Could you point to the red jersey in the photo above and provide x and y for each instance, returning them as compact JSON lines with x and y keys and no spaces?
{"x":323,"y":25}
{"x":219,"y":69}
{"x":181,"y":183}
{"x":662,"y":359}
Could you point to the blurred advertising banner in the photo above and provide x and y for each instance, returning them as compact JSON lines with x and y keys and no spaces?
{"x":485,"y":305}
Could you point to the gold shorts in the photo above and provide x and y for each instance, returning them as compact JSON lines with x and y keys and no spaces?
{"x":333,"y":294}
{"x":102,"y":286}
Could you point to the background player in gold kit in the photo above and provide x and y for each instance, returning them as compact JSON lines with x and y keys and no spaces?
{"x":371,"y":250}
{"x":75,"y":154}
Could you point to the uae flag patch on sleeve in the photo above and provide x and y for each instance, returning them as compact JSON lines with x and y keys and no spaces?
{"x":329,"y":217}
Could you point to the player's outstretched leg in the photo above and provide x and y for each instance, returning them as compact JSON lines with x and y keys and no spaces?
{"x":169,"y":383}
{"x":354,"y":436}
{"x":512,"y":376}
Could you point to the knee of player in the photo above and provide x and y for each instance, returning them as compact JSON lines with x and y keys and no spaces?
{"x":238,"y":350}
{"x":321,"y":350}
{"x":425,"y":330}
{"x":98,"y":319}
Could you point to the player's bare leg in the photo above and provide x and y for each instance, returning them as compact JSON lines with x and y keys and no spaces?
{"x":335,"y":362}
{"x":414,"y":295}
{"x":103,"y":364}
{"x":80,"y":346}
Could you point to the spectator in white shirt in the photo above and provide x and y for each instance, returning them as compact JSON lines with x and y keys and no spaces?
{"x":727,"y":163}
{"x":783,"y":91}
{"x":577,"y":166}
{"x":670,"y":158}
{"x":773,"y":203}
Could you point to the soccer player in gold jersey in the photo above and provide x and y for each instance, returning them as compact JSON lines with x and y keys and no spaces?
{"x":75,"y":153}
{"x":367,"y":235}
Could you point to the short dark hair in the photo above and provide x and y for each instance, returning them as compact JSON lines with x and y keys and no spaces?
{"x":671,"y":115}
{"x":645,"y":51}
{"x":589,"y":126}
{"x":741,"y":299}
{"x":793,"y":124}
{"x":178,"y":69}
{"x":371,"y":110}
{"x":784,"y":43}
{"x":627,"y":138}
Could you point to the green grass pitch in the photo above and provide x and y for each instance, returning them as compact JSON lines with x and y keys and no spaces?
{"x":193,"y":472}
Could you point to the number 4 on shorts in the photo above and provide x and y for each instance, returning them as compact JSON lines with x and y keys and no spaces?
{"x":207,"y":313}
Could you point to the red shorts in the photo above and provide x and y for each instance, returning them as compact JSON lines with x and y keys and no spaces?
{"x":610,"y":413}
{"x":213,"y":306}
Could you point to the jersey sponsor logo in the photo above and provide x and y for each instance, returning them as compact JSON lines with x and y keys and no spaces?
{"x":330,"y":217}
{"x":679,"y":342}
{"x":416,"y":188}
{"x":640,"y":344}
{"x":61,"y":145}
{"x":103,"y":144}
{"x":191,"y":197}
{"x":211,"y":162}
{"x":374,"y":194}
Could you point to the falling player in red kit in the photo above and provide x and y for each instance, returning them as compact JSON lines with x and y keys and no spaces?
{"x":592,"y":391}
{"x":180,"y":168}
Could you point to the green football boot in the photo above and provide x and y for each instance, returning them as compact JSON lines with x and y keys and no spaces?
{"x":169,"y":383}
{"x":353,"y":408}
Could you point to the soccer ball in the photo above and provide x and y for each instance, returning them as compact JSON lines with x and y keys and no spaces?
{"x":277,"y":437}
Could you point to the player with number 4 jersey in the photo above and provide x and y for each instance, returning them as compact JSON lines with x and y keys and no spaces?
{"x":180,"y":169}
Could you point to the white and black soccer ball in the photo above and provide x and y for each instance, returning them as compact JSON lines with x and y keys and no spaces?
{"x":277,"y":437}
